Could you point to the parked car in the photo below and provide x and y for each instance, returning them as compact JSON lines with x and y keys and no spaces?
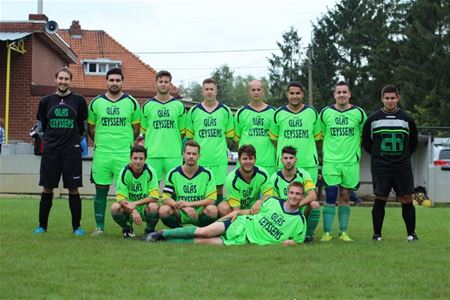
{"x":441,"y":153}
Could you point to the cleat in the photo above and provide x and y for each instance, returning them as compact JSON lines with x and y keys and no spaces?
{"x":309,"y":239}
{"x":326,"y":237}
{"x":98,"y":231}
{"x":344,"y":237}
{"x":128,"y":233}
{"x":376,"y":237}
{"x":79,"y":231}
{"x":156,"y":236}
{"x":413,"y":237}
{"x":39,"y":230}
{"x":146,"y":232}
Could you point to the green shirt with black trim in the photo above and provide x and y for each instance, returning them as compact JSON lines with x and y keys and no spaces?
{"x":180,"y":187}
{"x":280,"y":183}
{"x":210,"y":130}
{"x":163,"y":125}
{"x":297,"y":129}
{"x":243,"y":194}
{"x":113,"y":121}
{"x":132,"y":188}
{"x":342,"y":131}
{"x":252,"y":127}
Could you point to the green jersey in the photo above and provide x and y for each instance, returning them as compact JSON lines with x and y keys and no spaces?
{"x":297,"y":129}
{"x":210,"y":130}
{"x":280,"y":183}
{"x":342,"y":132}
{"x":252,"y":127}
{"x":274,"y":225}
{"x":180,"y":187}
{"x":113,"y":121}
{"x":163,"y":124}
{"x":243,"y":194}
{"x":131,"y":188}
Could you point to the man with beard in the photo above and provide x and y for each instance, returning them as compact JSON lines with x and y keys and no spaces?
{"x":281,"y":180}
{"x":61,"y":120}
{"x":247,"y":185}
{"x":189,"y":193}
{"x":162,"y":126}
{"x":252,"y":124}
{"x":113,"y":126}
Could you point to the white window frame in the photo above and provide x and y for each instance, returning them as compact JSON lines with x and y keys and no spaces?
{"x":108,"y":63}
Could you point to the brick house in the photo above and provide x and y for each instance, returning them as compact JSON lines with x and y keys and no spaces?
{"x":88,"y":53}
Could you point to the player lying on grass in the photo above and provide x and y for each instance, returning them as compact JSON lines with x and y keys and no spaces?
{"x":273,"y":221}
{"x":137,"y":194}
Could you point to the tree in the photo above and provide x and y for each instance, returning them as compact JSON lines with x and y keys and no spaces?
{"x":287,"y":67}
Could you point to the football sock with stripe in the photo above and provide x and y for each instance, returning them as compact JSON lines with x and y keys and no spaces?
{"x":328,"y":217}
{"x":180,"y":233}
{"x":313,"y":221}
{"x":151,"y":219}
{"x":409,"y":217}
{"x":100,"y":207}
{"x":75,"y":210}
{"x":344,"y":218}
{"x":378,"y":216}
{"x":44,"y":209}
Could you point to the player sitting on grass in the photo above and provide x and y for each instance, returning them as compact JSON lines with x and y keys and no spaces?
{"x":272,"y":221}
{"x":246,"y":184}
{"x":289,"y":173}
{"x":137,"y":194}
{"x":189,"y":192}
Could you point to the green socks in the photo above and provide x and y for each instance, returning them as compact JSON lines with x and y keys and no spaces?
{"x":151,"y":219}
{"x":344,"y":216}
{"x":328,"y":217}
{"x":121,"y":219}
{"x":313,"y":221}
{"x":180,"y":233}
{"x":171,"y":221}
{"x":100,"y":207}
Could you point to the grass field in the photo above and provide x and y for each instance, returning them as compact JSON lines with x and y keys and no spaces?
{"x":58,"y":265}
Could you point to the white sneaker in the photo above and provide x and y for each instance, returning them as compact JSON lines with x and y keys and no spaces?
{"x":97,"y":232}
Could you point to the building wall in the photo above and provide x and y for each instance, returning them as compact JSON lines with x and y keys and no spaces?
{"x":45,"y":63}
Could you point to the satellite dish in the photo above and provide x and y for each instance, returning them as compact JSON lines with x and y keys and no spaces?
{"x":51,"y":27}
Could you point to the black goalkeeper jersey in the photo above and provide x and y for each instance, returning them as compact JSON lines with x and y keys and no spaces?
{"x":390,"y":139}
{"x":62,"y":120}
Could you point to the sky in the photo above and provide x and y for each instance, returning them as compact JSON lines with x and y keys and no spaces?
{"x":206,"y":32}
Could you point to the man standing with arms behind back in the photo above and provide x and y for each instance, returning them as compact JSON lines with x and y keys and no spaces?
{"x":61,"y":118}
{"x":113,"y":126}
{"x":390,"y":137}
{"x":342,"y":125}
{"x":163,"y":127}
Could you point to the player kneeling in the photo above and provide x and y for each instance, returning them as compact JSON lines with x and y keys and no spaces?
{"x":272,"y":221}
{"x":137,"y":194}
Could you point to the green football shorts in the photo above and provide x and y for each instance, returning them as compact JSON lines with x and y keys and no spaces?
{"x":313,"y":171}
{"x":342,"y":174}
{"x":186,"y":219}
{"x":235,"y":233}
{"x":163,"y":165}
{"x":220,"y":172}
{"x":106,"y":167}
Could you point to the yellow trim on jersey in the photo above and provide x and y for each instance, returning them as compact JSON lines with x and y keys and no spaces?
{"x":268,"y":192}
{"x":309,"y":185}
{"x":230,"y":133}
{"x":234,"y":202}
{"x":154,"y":193}
{"x":166,"y":196}
{"x":92,"y":122}
{"x":189,"y":133}
{"x":136,"y":122}
{"x":120,"y":197}
{"x":273,"y":136}
{"x":212,"y":196}
{"x":318,"y":136}
{"x":142,"y":129}
{"x":236,"y":137}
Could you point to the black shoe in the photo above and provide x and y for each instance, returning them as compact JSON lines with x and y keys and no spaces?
{"x":128,"y":233}
{"x":156,"y":236}
{"x":376,"y":237}
{"x":412,"y":237}
{"x":309,"y":239}
{"x":146,"y":232}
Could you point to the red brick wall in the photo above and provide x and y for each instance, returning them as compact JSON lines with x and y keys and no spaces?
{"x":45,"y":63}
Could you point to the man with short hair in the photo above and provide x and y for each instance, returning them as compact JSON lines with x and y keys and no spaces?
{"x":209,"y":123}
{"x":189,"y":193}
{"x":281,"y":180}
{"x":297,"y":125}
{"x":162,"y":125}
{"x":252,"y":124}
{"x":137,"y":193}
{"x":390,"y":136}
{"x":272,"y":221}
{"x":246,"y":184}
{"x":113,"y":126}
{"x":61,"y":119}
{"x":342,"y":125}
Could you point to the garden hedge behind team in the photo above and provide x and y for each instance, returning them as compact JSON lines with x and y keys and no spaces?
{"x":276,"y":148}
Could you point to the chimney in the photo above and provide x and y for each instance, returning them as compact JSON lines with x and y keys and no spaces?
{"x":37,"y":17}
{"x":75,"y":29}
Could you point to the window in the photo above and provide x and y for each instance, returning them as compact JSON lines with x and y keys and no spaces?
{"x":99,"y":66}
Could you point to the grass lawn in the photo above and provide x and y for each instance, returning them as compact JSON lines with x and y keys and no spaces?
{"x":58,"y":265}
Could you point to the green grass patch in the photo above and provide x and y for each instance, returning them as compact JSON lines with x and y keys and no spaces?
{"x":58,"y":265}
